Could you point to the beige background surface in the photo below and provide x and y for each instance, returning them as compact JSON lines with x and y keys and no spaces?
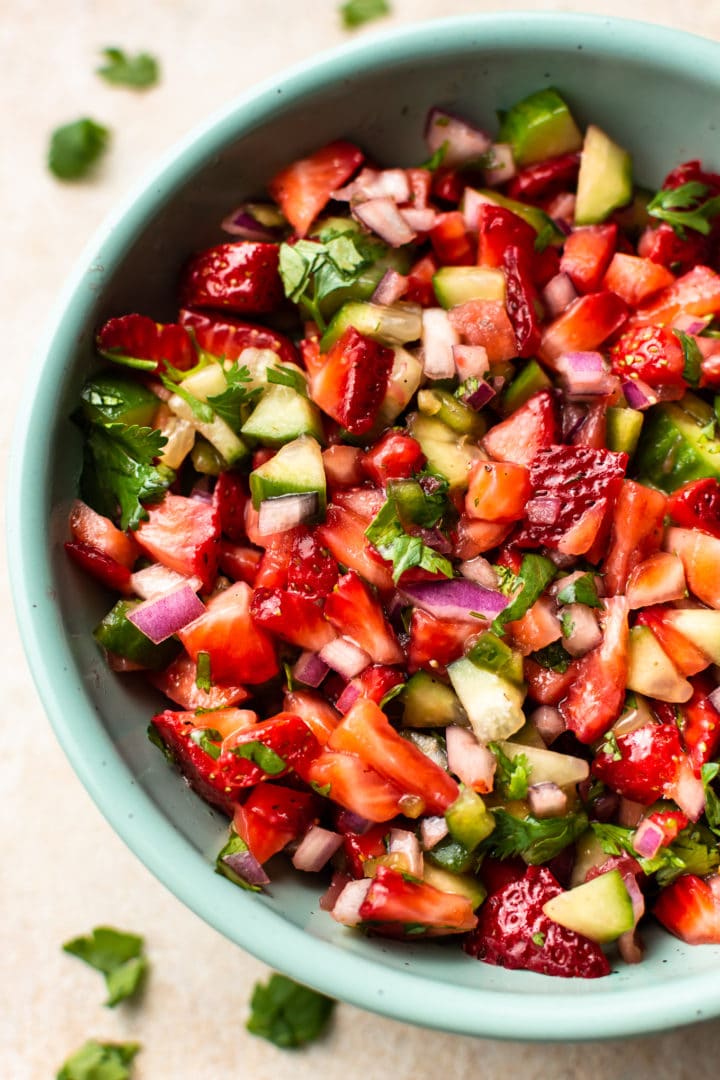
{"x":62,"y":869}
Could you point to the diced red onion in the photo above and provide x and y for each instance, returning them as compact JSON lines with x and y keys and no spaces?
{"x":583,"y":375}
{"x":558,"y":294}
{"x":714,"y":698}
{"x":548,"y":722}
{"x":573,"y":418}
{"x":160,"y":618}
{"x":691,"y":324}
{"x":478,"y":399}
{"x":242,"y":224}
{"x":547,"y":800}
{"x":382,"y":217}
{"x":391,"y":287}
{"x":201,"y":495}
{"x":310,"y":669}
{"x":286,"y":511}
{"x":347,"y":699}
{"x":406,"y":843}
{"x":345,"y":657}
{"x":315,"y":849}
{"x":503,"y":165}
{"x":471,"y":762}
{"x":376,"y":184}
{"x":636,"y":897}
{"x":421,"y":220}
{"x":630,"y":813}
{"x":714,"y":883}
{"x":432,"y":831}
{"x":472,"y":201}
{"x":630,"y":947}
{"x":585,"y":633}
{"x":336,"y":886}
{"x":648,"y":839}
{"x":638,"y":394}
{"x":688,"y":791}
{"x":480,"y":571}
{"x":471,"y":361}
{"x":434,"y":538}
{"x":562,"y":210}
{"x":347,"y":821}
{"x":605,"y":806}
{"x":156,"y":580}
{"x":464,"y":143}
{"x":544,"y":510}
{"x":456,"y":599}
{"x":246,"y":866}
{"x":348,"y":904}
{"x":438,"y":341}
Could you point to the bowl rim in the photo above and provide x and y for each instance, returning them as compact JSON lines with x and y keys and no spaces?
{"x":259,"y":929}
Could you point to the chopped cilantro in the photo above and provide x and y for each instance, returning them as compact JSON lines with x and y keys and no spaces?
{"x":536,"y":840}
{"x":287,"y":1014}
{"x":694,"y":851}
{"x":536,"y":573}
{"x":386,"y":533}
{"x":567,"y":624}
{"x":100,"y":1061}
{"x":231,"y":404}
{"x":553,"y":657}
{"x":692,"y":357}
{"x":392,"y":693}
{"x":686,"y":207}
{"x":434,"y":162}
{"x":203,"y":676}
{"x":118,"y":470}
{"x":263,"y":756}
{"x":507,"y":580}
{"x":512,"y":774}
{"x":538,"y":939}
{"x":286,"y":376}
{"x":234,"y":846}
{"x":117,"y":955}
{"x":208,"y":739}
{"x":321,"y":789}
{"x":139,"y":71}
{"x":356,"y":13}
{"x":75,"y":147}
{"x":414,"y":505}
{"x":610,"y":747}
{"x":200,"y":409}
{"x":313,"y":269}
{"x":712,"y":801}
{"x":581,"y":591}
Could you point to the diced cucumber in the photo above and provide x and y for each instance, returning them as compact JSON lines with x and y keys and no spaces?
{"x":431,"y":744}
{"x":460,"y":884}
{"x":180,"y":435}
{"x":206,"y":459}
{"x":115,"y":399}
{"x":527,"y":382}
{"x":701,"y":626}
{"x":493,"y":704}
{"x":491,"y":653}
{"x":623,"y":429}
{"x":429,"y":703}
{"x":406,"y":375}
{"x":390,"y":324}
{"x":203,"y":384}
{"x":281,"y":415}
{"x":605,"y":180}
{"x":468,"y":819}
{"x":449,"y":455}
{"x":600,"y":910}
{"x":588,"y":854}
{"x":651,"y":671}
{"x":540,"y":126}
{"x":118,"y":635}
{"x":207,"y":382}
{"x":457,"y":284}
{"x":446,"y":407}
{"x":296,"y":468}
{"x":548,"y":766}
{"x":528,"y":735}
{"x":541,"y":222}
{"x":449,"y":854}
{"x":677,"y":444}
{"x":634,"y":218}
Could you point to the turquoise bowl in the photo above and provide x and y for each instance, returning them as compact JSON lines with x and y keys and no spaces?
{"x":654,"y":90}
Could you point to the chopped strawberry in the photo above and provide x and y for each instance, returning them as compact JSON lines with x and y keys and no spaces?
{"x":394,"y":903}
{"x":545,"y":178}
{"x":311,"y":571}
{"x":90,"y":528}
{"x":275,"y":563}
{"x":690,"y":909}
{"x":663,"y":246}
{"x":514,"y":932}
{"x":700,"y":554}
{"x":497,"y":491}
{"x":183,"y":534}
{"x":240,"y":277}
{"x":292,"y":617}
{"x":521,"y":299}
{"x":373,"y":683}
{"x":366,"y":502}
{"x":355,"y":785}
{"x":697,"y":506}
{"x":451,"y":240}
{"x":395,"y":456}
{"x":497,"y":873}
{"x":342,"y":466}
{"x":546,"y":686}
{"x":230,"y":496}
{"x":699,"y":723}
{"x":567,"y":482}
{"x":499,"y":229}
{"x":239,"y":563}
{"x":686,"y":656}
{"x":647,"y":766}
{"x":240,"y":651}
{"x":635,"y":279}
{"x":359,"y":847}
{"x":530,"y":428}
{"x":487,"y":323}
{"x":344,"y":534}
{"x":435,"y":643}
{"x":695,"y":293}
{"x":636,"y":532}
{"x":651,"y":353}
{"x":105,"y":569}
{"x":586,"y":255}
{"x":315,"y":710}
{"x":448,"y":185}
{"x":353,"y":381}
{"x":304,"y":188}
{"x":537,"y":628}
{"x":138,"y":337}
{"x":586,"y":323}
{"x":471,"y":538}
{"x":671,"y":822}
{"x":272,"y":816}
{"x":357,"y":614}
{"x":658,"y":579}
{"x":222,"y":335}
{"x":597,"y":692}
{"x":420,"y":282}
{"x":179,"y":683}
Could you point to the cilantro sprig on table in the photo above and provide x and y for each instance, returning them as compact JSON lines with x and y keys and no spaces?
{"x":76,"y":147}
{"x":100,"y":1061}
{"x":356,"y":13}
{"x":288,"y":1014}
{"x":686,"y":207}
{"x":140,"y":71}
{"x":118,"y":955}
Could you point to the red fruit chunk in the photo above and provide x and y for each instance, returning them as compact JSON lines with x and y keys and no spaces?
{"x":183,"y":534}
{"x":420,"y":282}
{"x":499,"y":229}
{"x":393,"y":899}
{"x":357,"y":614}
{"x":451,"y":241}
{"x":650,"y":353}
{"x":178,"y":682}
{"x":435,"y":643}
{"x":545,"y":178}
{"x":497,"y":873}
{"x":222,"y":335}
{"x":448,"y":185}
{"x":691,"y":170}
{"x":240,"y":277}
{"x":636,"y":533}
{"x":395,"y":456}
{"x":275,"y":563}
{"x":586,"y":255}
{"x":648,"y":764}
{"x":585,"y":324}
{"x":344,"y":534}
{"x":697,"y":506}
{"x":355,"y":785}
{"x":699,"y":723}
{"x":102,"y":567}
{"x":272,"y":816}
{"x":695,"y":293}
{"x":359,"y":848}
{"x":294,"y":618}
{"x":634,"y":278}
{"x":530,"y":428}
{"x":311,"y":571}
{"x":304,"y":188}
{"x":487,"y":323}
{"x":138,"y":337}
{"x":353,"y":381}
{"x":240,"y":650}
{"x":690,"y":910}
{"x":230,"y":496}
{"x":579,"y":479}
{"x":671,"y":822}
{"x":686,"y":657}
{"x":239,"y":563}
{"x":521,"y":300}
{"x":509,"y":920}
{"x":546,"y":686}
{"x":497,"y":491}
{"x":92,"y":529}
{"x":373,"y":684}
{"x":597,"y":692}
{"x":663,"y":246}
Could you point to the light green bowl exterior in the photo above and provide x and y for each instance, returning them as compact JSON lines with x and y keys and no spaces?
{"x":657,"y":92}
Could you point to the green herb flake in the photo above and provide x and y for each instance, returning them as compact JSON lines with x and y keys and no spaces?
{"x":321,"y":789}
{"x":610,"y":747}
{"x":686,"y":207}
{"x":694,"y":851}
{"x":313,"y":269}
{"x":233,"y":404}
{"x":712,"y":801}
{"x":386,"y":533}
{"x":535,"y":574}
{"x":75,"y":147}
{"x":139,"y":71}
{"x":358,"y":12}
{"x":538,"y":939}
{"x":119,"y":956}
{"x":536,"y":840}
{"x":203,"y":677}
{"x":553,"y":657}
{"x":392,"y":693}
{"x":118,"y":471}
{"x":512,"y":774}
{"x":285,"y":376}
{"x":287,"y":1014}
{"x":100,"y":1061}
{"x":435,"y":160}
{"x":582,"y":590}
{"x":200,"y":409}
{"x":692,"y":357}
{"x":567,"y":624}
{"x":208,"y":739}
{"x":234,"y":846}
{"x":263,"y":756}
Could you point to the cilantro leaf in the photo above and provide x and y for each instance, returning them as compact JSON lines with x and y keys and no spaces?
{"x":712,"y":801}
{"x":117,"y":955}
{"x":581,"y":591}
{"x":232,"y":404}
{"x":263,"y":756}
{"x":203,"y":675}
{"x":208,"y":739}
{"x":285,"y":376}
{"x":313,"y":269}
{"x":434,"y":162}
{"x":692,"y":357}
{"x":385,"y":532}
{"x":287,"y":1014}
{"x":610,"y":747}
{"x":139,"y":71}
{"x":512,"y":773}
{"x":553,"y":657}
{"x":201,"y":410}
{"x":356,"y":13}
{"x":685,"y":207}
{"x":118,"y":471}
{"x":75,"y":147}
{"x":234,"y":846}
{"x":100,"y":1061}
{"x":535,"y":574}
{"x":693,"y":851}
{"x":536,"y":840}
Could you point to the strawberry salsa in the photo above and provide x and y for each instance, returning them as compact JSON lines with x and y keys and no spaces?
{"x":414,"y":519}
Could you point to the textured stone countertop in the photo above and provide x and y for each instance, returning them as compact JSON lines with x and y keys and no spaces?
{"x":63,"y":870}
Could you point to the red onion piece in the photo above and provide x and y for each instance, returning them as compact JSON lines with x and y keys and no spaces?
{"x":438,"y":341}
{"x":630,"y":813}
{"x":162,"y":617}
{"x":630,"y":947}
{"x":375,"y":184}
{"x":480,"y":571}
{"x":156,"y":580}
{"x":347,"y":699}
{"x":503,"y":165}
{"x":636,"y":895}
{"x":391,"y":287}
{"x":471,"y":361}
{"x":286,"y":511}
{"x":573,"y":418}
{"x":382,"y":217}
{"x":419,"y":219}
{"x":583,"y":375}
{"x":714,"y":698}
{"x":547,"y":800}
{"x":648,"y":839}
{"x":562,"y":211}
{"x":246,"y":866}
{"x":336,"y":886}
{"x":638,"y":394}
{"x":349,"y":822}
{"x":345,"y":657}
{"x":478,"y":399}
{"x":456,"y":599}
{"x":348,"y":904}
{"x":464,"y":143}
{"x":472,"y":201}
{"x":242,"y":224}
{"x":315,"y":849}
{"x":558,"y":294}
{"x":544,"y":510}
{"x":406,"y":843}
{"x":548,"y":722}
{"x":471,"y":762}
{"x":585,"y":633}
{"x":691,"y":324}
{"x":310,"y":669}
{"x":432,"y":831}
